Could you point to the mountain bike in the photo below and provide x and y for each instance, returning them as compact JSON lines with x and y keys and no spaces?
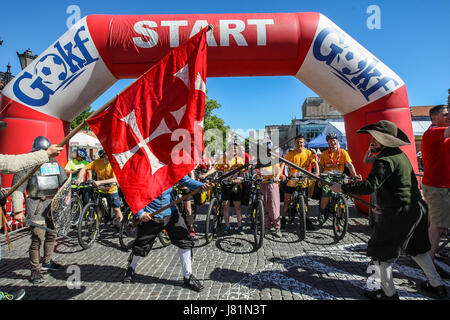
{"x":214,"y":216}
{"x":77,"y":203}
{"x":337,"y":207}
{"x":298,"y":207}
{"x":89,"y":222}
{"x":256,"y":211}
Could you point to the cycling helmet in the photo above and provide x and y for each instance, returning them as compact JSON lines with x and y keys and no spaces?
{"x":41,"y":143}
{"x":82,"y":153}
{"x":331,"y":135}
{"x":101,"y":153}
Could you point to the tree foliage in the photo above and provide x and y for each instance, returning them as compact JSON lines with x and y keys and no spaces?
{"x":212,"y":121}
{"x":80,"y":118}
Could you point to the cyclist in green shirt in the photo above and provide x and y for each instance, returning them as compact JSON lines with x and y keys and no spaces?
{"x":74,"y":165}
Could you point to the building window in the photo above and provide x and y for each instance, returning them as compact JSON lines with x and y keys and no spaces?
{"x":310,"y":131}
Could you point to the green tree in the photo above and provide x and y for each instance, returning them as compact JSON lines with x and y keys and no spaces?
{"x":212,"y":121}
{"x":80,"y":118}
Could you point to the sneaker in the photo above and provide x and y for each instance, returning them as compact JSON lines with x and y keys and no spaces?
{"x":36,"y":277}
{"x":240,"y":230}
{"x":52,"y":266}
{"x":129,"y":276}
{"x":283,"y":223}
{"x":310,"y":226}
{"x":439,"y":292}
{"x":278,"y":233}
{"x":18,"y":295}
{"x":226,"y":230}
{"x":379,"y":295}
{"x":193,"y":283}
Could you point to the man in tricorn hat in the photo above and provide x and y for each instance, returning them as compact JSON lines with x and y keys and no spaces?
{"x":402,"y":224}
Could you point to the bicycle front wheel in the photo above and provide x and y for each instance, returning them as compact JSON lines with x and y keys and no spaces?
{"x":88,"y":226}
{"x":258,"y":224}
{"x":75,"y":209}
{"x":212,"y":219}
{"x":340,"y":218}
{"x":128,"y":231}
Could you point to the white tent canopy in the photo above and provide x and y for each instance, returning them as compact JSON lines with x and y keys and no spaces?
{"x":84,"y":140}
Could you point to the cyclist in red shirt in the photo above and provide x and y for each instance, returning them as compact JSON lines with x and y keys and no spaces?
{"x":436,"y":175}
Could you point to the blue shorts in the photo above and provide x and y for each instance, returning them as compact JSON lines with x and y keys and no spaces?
{"x":113,"y":199}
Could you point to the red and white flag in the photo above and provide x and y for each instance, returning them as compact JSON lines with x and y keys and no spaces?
{"x":153,"y":132}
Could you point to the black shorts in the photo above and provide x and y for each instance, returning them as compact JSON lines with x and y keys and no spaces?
{"x":175,"y":226}
{"x":232,"y":192}
{"x":290,"y":190}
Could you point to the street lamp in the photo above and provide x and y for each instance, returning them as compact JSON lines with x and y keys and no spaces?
{"x":26,"y":58}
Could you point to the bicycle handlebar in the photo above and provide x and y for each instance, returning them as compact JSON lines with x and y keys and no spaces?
{"x":90,"y":183}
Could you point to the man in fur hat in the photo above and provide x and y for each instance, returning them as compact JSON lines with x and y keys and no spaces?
{"x":403,"y":218}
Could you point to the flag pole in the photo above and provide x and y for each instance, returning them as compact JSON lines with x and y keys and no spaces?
{"x":229,"y":174}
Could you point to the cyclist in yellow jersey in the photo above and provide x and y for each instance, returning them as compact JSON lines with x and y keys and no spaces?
{"x":303,"y":158}
{"x":105,"y":175}
{"x":334,"y":159}
{"x":233,"y":190}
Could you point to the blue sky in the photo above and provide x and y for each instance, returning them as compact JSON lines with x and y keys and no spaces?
{"x":412,"y":41}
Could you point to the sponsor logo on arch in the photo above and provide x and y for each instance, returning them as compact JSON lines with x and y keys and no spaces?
{"x":56,"y":69}
{"x":353,"y":65}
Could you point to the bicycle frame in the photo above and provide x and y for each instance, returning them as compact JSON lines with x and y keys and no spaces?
{"x":97,"y":200}
{"x":298,"y":205}
{"x":256,"y":210}
{"x":214,"y":215}
{"x":255,"y":195}
{"x":299,"y":192}
{"x":216,"y":193}
{"x":89,"y":222}
{"x":338,"y":207}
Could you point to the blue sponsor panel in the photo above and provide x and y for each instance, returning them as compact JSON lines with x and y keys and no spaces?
{"x":350,"y":64}
{"x":54,"y":71}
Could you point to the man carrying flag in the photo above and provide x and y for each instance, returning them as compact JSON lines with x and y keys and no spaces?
{"x":141,"y":133}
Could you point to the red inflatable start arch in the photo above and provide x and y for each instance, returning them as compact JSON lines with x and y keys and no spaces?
{"x":100,"y":49}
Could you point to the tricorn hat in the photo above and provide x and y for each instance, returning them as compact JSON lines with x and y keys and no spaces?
{"x":386,"y":133}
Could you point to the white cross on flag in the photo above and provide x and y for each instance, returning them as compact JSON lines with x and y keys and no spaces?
{"x":153,"y":132}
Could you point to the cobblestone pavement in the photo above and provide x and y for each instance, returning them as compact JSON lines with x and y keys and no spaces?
{"x":282,"y":269}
